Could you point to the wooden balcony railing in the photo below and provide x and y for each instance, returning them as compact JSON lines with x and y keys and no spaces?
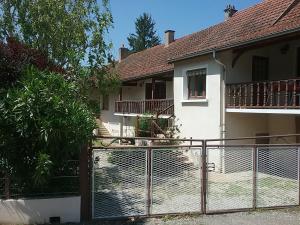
{"x":281,"y":94}
{"x":155,"y":106}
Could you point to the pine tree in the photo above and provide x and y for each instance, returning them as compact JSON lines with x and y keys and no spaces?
{"x":145,"y":36}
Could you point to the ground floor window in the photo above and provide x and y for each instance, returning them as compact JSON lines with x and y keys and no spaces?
{"x":196,"y":83}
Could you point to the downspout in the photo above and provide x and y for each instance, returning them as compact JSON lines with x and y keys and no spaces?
{"x":222,"y":108}
{"x":222,"y":97}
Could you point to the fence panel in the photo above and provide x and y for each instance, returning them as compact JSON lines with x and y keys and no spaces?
{"x":229,"y":178}
{"x":176,"y":181}
{"x":119,"y":183}
{"x":277,"y":176}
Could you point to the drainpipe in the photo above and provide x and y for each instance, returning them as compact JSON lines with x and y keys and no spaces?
{"x":222,"y":92}
{"x":222,"y":106}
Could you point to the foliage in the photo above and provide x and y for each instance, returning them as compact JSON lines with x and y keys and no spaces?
{"x":145,"y":36}
{"x":42,"y":123}
{"x":14,"y":58}
{"x":69,"y":32}
{"x":144,"y":128}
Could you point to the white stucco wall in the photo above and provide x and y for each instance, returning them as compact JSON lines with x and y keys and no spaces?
{"x":280,"y":125}
{"x":198,"y":119}
{"x":249,"y":125}
{"x":110,"y":121}
{"x":38,"y":211}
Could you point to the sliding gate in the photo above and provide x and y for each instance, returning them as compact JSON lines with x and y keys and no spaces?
{"x":146,"y":181}
{"x":157,"y":180}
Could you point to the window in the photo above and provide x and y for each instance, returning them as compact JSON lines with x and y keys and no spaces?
{"x":105,"y":102}
{"x":196,"y":83}
{"x":260,"y":68}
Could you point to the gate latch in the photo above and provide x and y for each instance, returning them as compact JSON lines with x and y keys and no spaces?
{"x":211,"y":167}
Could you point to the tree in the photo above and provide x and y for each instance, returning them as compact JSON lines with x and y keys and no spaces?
{"x":70,"y":33}
{"x":44,"y":116}
{"x":145,"y":36}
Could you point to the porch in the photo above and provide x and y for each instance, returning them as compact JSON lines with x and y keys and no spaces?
{"x":278,"y":94}
{"x":153,"y":106}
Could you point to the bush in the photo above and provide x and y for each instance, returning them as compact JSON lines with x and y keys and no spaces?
{"x":42,"y":124}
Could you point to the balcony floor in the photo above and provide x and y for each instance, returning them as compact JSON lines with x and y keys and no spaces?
{"x":264,"y":111}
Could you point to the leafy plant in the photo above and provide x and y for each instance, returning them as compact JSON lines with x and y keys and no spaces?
{"x":42,"y":124}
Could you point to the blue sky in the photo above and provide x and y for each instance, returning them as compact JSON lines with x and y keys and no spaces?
{"x":183,"y":16}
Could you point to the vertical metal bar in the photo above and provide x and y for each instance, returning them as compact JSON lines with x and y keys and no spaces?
{"x":203,"y":178}
{"x":254,"y":160}
{"x":149,"y":171}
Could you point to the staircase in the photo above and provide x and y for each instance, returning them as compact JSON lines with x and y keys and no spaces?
{"x":102,"y":131}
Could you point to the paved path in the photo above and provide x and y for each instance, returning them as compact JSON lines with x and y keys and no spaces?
{"x":269,"y":217}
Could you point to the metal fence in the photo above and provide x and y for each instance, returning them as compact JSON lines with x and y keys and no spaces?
{"x":65,"y":182}
{"x":204,"y":178}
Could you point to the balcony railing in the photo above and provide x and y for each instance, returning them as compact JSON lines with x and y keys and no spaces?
{"x":281,"y":94}
{"x":160,"y":106}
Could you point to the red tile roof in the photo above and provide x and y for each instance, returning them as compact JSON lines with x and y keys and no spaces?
{"x":249,"y":25}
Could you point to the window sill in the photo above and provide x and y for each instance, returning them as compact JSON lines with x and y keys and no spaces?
{"x":204,"y":100}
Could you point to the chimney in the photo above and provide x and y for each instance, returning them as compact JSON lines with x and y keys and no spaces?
{"x":229,"y":11}
{"x":123,"y":53}
{"x":169,"y":37}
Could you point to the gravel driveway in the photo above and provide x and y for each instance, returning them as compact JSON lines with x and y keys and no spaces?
{"x":268,"y":217}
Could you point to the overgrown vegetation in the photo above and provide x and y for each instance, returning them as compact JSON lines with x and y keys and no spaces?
{"x":52,"y":53}
{"x":43,"y":124}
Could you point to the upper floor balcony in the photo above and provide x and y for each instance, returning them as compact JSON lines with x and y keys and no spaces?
{"x":279,"y":94}
{"x":153,"y":106}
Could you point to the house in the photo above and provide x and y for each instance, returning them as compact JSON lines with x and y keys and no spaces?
{"x":238,"y":78}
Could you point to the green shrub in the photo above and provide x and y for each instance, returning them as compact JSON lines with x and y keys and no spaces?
{"x":42,"y":124}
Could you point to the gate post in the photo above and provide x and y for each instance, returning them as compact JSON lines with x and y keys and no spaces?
{"x":149,"y":170}
{"x":254,"y":155}
{"x":203,"y":177}
{"x":84,"y":179}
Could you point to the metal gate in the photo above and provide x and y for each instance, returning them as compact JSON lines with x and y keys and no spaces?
{"x":129,"y":181}
{"x":145,"y":181}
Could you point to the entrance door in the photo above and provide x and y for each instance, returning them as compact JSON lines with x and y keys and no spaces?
{"x":260,"y":72}
{"x":159,"y":91}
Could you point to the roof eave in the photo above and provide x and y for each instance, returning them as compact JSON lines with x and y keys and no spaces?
{"x":235,"y":45}
{"x":147,"y":76}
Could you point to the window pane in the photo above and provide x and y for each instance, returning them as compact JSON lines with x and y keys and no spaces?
{"x":196,"y":82}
